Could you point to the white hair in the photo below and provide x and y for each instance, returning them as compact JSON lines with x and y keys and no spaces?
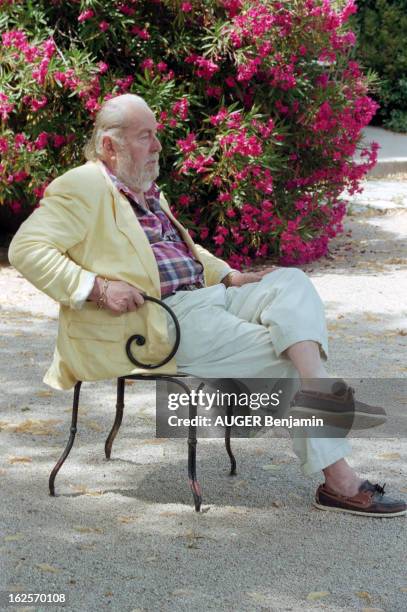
{"x":110,"y":121}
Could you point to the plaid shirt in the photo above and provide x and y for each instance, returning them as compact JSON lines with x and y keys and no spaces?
{"x":177,"y":266}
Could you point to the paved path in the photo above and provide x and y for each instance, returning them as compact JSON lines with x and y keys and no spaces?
{"x":384,"y":195}
{"x":392,"y":155}
{"x":122,"y":535}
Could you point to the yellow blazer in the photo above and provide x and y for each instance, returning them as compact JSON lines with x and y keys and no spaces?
{"x":85,"y":223}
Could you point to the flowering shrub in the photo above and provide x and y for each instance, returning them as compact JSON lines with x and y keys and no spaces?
{"x":259,"y":103}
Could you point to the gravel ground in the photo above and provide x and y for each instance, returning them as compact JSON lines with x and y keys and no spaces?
{"x":123,"y":536}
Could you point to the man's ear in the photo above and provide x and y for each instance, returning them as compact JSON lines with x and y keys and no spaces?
{"x":109,"y":147}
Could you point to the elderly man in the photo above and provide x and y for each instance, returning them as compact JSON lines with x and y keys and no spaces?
{"x":104,"y":235}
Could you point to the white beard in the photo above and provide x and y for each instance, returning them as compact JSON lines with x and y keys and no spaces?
{"x":133,"y":179}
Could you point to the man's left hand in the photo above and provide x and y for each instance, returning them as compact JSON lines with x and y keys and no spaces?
{"x":237,"y":279}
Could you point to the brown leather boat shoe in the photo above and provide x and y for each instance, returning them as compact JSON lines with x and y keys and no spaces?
{"x":338,"y":408}
{"x":369,"y":501}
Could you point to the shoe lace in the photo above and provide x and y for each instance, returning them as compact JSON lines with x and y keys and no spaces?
{"x":341,"y":388}
{"x":380,"y":489}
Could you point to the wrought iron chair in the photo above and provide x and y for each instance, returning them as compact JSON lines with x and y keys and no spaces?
{"x":192,"y":437}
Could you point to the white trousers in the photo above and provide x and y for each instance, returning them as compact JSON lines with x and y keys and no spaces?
{"x":241,"y":332}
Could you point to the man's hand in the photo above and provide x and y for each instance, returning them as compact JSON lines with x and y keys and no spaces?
{"x":120,"y":297}
{"x":237,"y":279}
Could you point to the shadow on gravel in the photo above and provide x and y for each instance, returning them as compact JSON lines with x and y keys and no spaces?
{"x":376,"y":246}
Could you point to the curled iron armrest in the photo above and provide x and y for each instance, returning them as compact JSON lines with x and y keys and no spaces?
{"x":140,"y":340}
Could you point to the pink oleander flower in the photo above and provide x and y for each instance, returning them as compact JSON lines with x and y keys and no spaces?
{"x":322,"y":80}
{"x":41,"y":141}
{"x":31,"y":52}
{"x":202,"y":163}
{"x":325,"y":119}
{"x":282,"y":108}
{"x":15,"y":206}
{"x":60,"y":76}
{"x":85,"y":15}
{"x":349,"y":10}
{"x":219,"y":239}
{"x":103,"y":67}
{"x":58,"y":140}
{"x":39,"y":74}
{"x":234,"y":120}
{"x":180,"y":108}
{"x":17,"y":177}
{"x":14,"y":38}
{"x":141,"y":33}
{"x":6,"y":107}
{"x":232,"y":6}
{"x":188,"y":144}
{"x":186,"y":7}
{"x":125,"y":84}
{"x":147,"y":64}
{"x":48,"y":47}
{"x":126,"y":10}
{"x":104,"y":26}
{"x":3,"y":145}
{"x":19,"y":141}
{"x":169,"y":76}
{"x":247,"y":70}
{"x":206,"y":68}
{"x":92,"y":105}
{"x":38,"y":104}
{"x":184,"y":199}
{"x":39,"y":191}
{"x":219,"y":117}
{"x":214,"y":92}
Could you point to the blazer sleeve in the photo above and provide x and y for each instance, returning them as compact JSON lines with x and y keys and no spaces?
{"x":215,"y":268}
{"x":39,"y":248}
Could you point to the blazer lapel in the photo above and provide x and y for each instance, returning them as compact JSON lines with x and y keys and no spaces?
{"x":129,"y":225}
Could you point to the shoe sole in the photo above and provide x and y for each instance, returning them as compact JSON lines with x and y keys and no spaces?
{"x":359,"y":512}
{"x":360,"y":421}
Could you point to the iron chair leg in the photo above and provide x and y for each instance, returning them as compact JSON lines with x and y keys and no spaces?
{"x":228,"y":430}
{"x":119,"y":416}
{"x":67,"y":450}
{"x":192,"y":442}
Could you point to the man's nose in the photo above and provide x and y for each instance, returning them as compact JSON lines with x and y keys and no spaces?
{"x":156,"y":145}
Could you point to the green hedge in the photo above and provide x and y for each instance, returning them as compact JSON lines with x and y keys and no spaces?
{"x":382,"y":46}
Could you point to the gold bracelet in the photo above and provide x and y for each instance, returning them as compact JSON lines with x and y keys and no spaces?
{"x":102,"y":300}
{"x":226,"y":279}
